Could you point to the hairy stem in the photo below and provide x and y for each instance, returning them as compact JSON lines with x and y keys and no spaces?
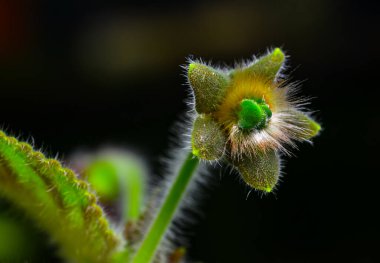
{"x":171,"y":202}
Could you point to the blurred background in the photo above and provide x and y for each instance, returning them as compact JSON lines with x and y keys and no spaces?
{"x":78,"y":74}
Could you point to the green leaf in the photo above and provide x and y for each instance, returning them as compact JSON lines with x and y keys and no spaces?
{"x":59,"y":203}
{"x":103,"y":178}
{"x":119,"y":176}
{"x":17,"y":240}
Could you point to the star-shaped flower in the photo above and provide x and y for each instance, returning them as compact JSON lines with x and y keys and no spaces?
{"x":248,"y":115}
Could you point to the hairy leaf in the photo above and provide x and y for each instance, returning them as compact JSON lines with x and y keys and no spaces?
{"x":57,"y":201}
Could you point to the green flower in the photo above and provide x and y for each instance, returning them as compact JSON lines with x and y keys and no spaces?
{"x":247,"y":116}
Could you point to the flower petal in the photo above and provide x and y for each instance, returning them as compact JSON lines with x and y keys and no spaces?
{"x":307,"y":128}
{"x":208,"y":85}
{"x":260,"y":170}
{"x":268,"y":66}
{"x":207,"y":139}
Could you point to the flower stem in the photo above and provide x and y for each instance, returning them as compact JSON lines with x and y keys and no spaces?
{"x":171,"y":201}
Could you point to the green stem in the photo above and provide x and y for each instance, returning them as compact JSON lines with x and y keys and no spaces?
{"x":172,"y":199}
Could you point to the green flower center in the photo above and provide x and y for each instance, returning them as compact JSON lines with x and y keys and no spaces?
{"x":253,"y":114}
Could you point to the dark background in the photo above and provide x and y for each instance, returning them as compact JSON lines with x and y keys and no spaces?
{"x":80,"y":74}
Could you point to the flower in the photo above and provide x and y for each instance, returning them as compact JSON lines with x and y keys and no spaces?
{"x":248,"y":116}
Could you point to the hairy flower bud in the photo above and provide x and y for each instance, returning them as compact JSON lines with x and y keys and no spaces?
{"x":247,"y":113}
